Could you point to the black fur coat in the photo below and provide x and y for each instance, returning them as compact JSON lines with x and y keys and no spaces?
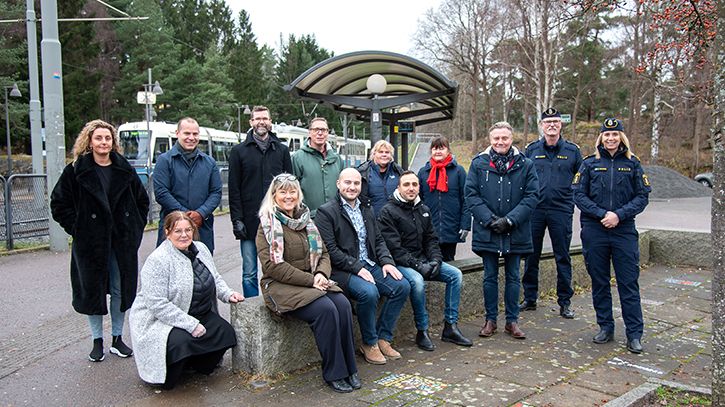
{"x":101,"y":225}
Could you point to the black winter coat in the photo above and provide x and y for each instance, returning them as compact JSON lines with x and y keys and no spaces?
{"x":101,"y":225}
{"x":250,"y":173}
{"x":448,"y":209}
{"x":341,"y":240}
{"x":513,"y":194}
{"x":408,"y":232}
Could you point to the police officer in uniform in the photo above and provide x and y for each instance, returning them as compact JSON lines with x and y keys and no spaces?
{"x":556,"y":161}
{"x":610,"y":189}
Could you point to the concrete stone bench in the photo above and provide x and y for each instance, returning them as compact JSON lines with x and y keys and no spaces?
{"x":268,"y":346}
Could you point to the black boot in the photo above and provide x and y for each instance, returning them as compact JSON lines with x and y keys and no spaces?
{"x":97,"y":354}
{"x":453,"y":335}
{"x":422,"y":339}
{"x":119,"y":348}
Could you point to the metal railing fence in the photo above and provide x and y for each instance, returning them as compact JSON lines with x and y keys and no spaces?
{"x":24,"y":207}
{"x":24,"y":201}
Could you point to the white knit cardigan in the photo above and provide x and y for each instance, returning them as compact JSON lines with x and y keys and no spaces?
{"x":163,"y":301}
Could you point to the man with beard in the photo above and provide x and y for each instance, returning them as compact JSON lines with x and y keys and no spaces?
{"x":252,"y":165}
{"x":363,"y":266}
{"x":406,"y":225}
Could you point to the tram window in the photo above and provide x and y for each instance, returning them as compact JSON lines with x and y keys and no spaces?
{"x":162,"y":146}
{"x":204,"y":145}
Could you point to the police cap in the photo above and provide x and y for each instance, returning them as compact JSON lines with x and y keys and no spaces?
{"x":612,"y":124}
{"x":550,"y":113}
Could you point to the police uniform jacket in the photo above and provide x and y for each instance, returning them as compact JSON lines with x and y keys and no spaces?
{"x":513,"y":194}
{"x":183,"y":186}
{"x":616,"y":184}
{"x":555,"y":168}
{"x":101,"y":224}
{"x":408,"y":232}
{"x":341,"y":240}
{"x":250,"y":173}
{"x":448,"y":210}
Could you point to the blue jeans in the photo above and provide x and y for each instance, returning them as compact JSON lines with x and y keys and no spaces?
{"x":490,"y":285}
{"x":454,"y":281}
{"x":114,"y":281}
{"x":250,"y":284}
{"x":366,"y":295}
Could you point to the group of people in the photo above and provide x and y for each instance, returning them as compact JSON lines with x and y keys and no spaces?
{"x":325,"y":235}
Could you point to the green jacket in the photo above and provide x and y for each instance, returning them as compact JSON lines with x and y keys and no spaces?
{"x":317,"y":175}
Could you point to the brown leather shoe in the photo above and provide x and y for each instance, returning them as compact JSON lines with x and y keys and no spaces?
{"x":372,"y":354}
{"x":512,"y":328}
{"x":489,"y":328}
{"x":388,"y":350}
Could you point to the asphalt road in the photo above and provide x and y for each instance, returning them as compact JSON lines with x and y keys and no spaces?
{"x":44,"y":343}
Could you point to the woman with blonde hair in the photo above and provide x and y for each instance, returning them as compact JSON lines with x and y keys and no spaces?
{"x":100,"y":201}
{"x":610,"y":189}
{"x":379,"y":176}
{"x":296,"y":279}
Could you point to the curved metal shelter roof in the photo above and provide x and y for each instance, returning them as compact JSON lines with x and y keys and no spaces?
{"x":341,"y":82}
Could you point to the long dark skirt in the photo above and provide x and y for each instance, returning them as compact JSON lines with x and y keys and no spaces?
{"x":203,"y":353}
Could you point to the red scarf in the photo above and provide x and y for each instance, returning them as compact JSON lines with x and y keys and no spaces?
{"x":438,"y":171}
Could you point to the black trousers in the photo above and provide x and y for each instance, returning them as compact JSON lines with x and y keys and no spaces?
{"x":204,"y":364}
{"x":330,"y":318}
{"x":448,"y":250}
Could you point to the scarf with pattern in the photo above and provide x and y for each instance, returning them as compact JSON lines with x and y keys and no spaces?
{"x":438,"y":178}
{"x":501,"y":161}
{"x":272,"y":228}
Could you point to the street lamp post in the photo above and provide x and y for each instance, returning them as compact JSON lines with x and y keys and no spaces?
{"x":239,"y":118}
{"x":15,"y":92}
{"x":376,"y":84}
{"x":149,"y":89}
{"x":154,"y":89}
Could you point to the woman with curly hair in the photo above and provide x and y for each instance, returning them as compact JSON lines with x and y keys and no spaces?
{"x":100,"y":201}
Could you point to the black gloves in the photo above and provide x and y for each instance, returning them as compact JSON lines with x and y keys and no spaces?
{"x":502,"y":225}
{"x":490,"y":222}
{"x":436,"y":269}
{"x":428,"y":269}
{"x":240,"y":232}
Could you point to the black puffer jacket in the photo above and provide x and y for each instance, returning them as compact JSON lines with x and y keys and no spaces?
{"x":204,"y":298}
{"x":408,"y":232}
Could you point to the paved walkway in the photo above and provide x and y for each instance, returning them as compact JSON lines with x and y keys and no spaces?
{"x":44,"y":345}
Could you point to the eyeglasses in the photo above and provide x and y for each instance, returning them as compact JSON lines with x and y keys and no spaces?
{"x":319,"y":130}
{"x":284,"y":177}
{"x":181,"y":232}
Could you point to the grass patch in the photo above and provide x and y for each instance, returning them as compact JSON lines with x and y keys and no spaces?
{"x":21,"y":247}
{"x":667,"y":396}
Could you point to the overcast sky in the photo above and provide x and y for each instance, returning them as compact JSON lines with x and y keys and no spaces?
{"x":338,"y":26}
